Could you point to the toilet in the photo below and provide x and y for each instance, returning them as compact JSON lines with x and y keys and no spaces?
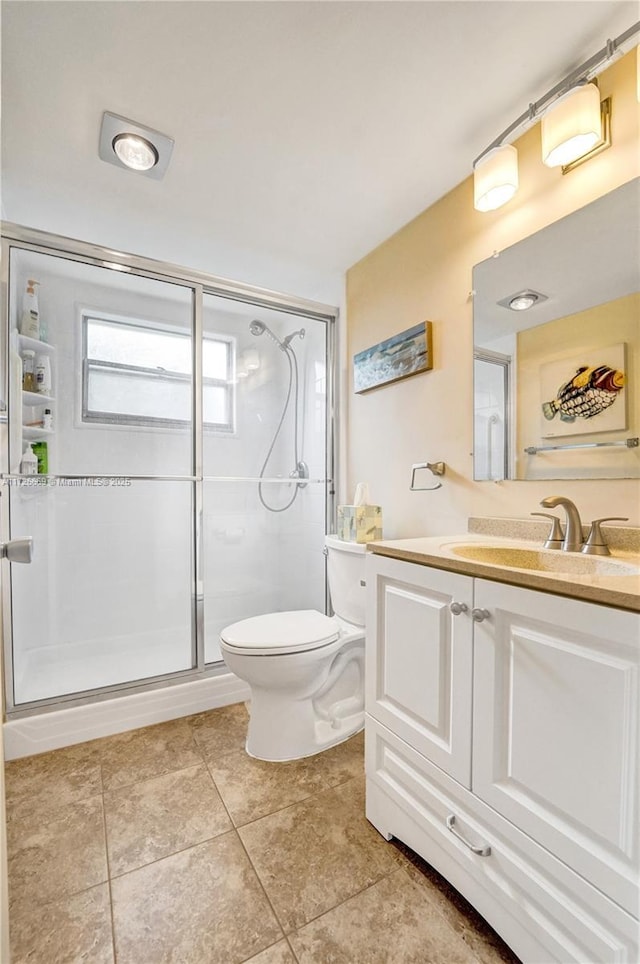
{"x":305,"y":669}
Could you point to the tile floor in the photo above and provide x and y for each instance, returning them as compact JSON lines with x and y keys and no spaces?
{"x":169,"y":844}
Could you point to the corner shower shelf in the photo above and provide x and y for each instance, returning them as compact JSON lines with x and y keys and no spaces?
{"x":34,"y":344}
{"x":33,"y":432}
{"x":36,"y":398}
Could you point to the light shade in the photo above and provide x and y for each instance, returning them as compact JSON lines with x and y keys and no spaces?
{"x":572,"y":126}
{"x":495,"y":178}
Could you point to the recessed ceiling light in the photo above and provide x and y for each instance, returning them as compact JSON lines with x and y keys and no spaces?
{"x":136,"y":152}
{"x":522,"y":300}
{"x":129,"y":145}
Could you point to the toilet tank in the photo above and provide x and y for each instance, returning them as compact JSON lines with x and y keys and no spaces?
{"x":345,"y":570}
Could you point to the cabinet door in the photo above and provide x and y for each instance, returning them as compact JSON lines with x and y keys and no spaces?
{"x":556,"y":728}
{"x":419,"y":663}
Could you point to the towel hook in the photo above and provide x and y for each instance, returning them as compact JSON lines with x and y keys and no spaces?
{"x":436,"y":467}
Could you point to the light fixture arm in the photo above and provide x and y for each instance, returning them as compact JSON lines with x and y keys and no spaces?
{"x":577,"y":76}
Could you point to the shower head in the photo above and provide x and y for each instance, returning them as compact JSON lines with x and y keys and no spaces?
{"x":258,"y":328}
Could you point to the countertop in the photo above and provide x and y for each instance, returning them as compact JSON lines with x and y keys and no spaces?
{"x":621,"y":591}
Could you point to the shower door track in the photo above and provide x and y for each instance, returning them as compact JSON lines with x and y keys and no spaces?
{"x":200,"y":283}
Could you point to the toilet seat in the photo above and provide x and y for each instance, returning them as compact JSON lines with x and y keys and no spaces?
{"x":281,"y":633}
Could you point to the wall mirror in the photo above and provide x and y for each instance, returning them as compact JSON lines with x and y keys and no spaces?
{"x":557,"y":348}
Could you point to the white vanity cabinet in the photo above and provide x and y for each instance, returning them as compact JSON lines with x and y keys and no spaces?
{"x":419,"y":661}
{"x":505,"y":752}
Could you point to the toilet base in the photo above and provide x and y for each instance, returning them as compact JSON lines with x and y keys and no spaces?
{"x":278,"y":733}
{"x":303,"y":702}
{"x":326,"y":737}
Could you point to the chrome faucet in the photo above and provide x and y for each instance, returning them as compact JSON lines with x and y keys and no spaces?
{"x":572,"y":541}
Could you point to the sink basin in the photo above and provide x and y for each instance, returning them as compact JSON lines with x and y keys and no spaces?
{"x":541,"y":560}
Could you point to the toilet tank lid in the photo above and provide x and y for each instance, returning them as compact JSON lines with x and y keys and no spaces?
{"x":289,"y":632}
{"x":335,"y":542}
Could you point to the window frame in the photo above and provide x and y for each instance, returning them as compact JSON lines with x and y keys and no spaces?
{"x":95,"y":417}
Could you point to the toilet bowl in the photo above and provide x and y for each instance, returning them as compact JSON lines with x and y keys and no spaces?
{"x":305,"y":669}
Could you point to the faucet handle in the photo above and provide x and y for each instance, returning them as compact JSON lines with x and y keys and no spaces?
{"x":596,"y":544}
{"x":555,"y":537}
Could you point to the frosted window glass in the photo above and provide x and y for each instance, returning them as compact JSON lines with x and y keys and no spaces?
{"x":143,"y":347}
{"x":215,"y":403}
{"x":137,"y":373}
{"x":215,"y":358}
{"x":116,"y":392}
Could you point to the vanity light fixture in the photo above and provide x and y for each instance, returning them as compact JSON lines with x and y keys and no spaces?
{"x":495,"y":178}
{"x":522,"y":300}
{"x":575,"y":127}
{"x":130,"y":145}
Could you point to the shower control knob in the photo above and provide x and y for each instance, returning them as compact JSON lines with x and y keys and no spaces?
{"x":479,"y":615}
{"x":456,"y":608}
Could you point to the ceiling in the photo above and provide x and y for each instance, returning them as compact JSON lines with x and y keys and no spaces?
{"x":305,"y":132}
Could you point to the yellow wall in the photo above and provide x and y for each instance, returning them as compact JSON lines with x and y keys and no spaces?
{"x":616,"y":322}
{"x":424,"y":273}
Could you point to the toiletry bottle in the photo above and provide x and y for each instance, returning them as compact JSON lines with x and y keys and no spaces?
{"x":47,"y":420}
{"x":28,"y":370}
{"x":40,"y":450}
{"x":30,"y":320}
{"x":29,"y":464}
{"x":43,"y":374}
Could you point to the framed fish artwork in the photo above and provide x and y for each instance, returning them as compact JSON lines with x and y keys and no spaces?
{"x":404,"y":354}
{"x":585,"y":393}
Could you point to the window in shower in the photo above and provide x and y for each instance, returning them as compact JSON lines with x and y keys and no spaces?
{"x":140,"y":374}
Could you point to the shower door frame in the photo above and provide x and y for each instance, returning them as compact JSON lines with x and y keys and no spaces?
{"x":15,"y":236}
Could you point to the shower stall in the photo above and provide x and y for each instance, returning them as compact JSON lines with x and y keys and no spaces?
{"x":185,"y":475}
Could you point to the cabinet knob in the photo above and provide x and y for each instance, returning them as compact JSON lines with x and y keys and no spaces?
{"x":456,"y":608}
{"x":479,"y":615}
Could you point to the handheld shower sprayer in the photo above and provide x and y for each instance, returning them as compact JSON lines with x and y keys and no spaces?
{"x":258,"y":328}
{"x":300,"y":470}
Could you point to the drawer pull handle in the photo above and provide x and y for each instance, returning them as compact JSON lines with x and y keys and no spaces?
{"x":481,"y":851}
{"x":479,"y":615}
{"x":457,"y":608}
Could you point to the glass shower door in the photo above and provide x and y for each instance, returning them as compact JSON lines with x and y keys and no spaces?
{"x":109,"y":598}
{"x":264,"y":470}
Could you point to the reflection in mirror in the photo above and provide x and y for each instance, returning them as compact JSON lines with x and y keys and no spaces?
{"x":557,"y":349}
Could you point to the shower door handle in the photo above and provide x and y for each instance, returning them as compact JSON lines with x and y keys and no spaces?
{"x":17,"y":550}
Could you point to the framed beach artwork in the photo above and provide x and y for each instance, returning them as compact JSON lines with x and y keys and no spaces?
{"x":398,"y":357}
{"x":584,"y":393}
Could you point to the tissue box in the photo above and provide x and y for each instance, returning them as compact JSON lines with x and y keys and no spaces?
{"x":359,"y":523}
